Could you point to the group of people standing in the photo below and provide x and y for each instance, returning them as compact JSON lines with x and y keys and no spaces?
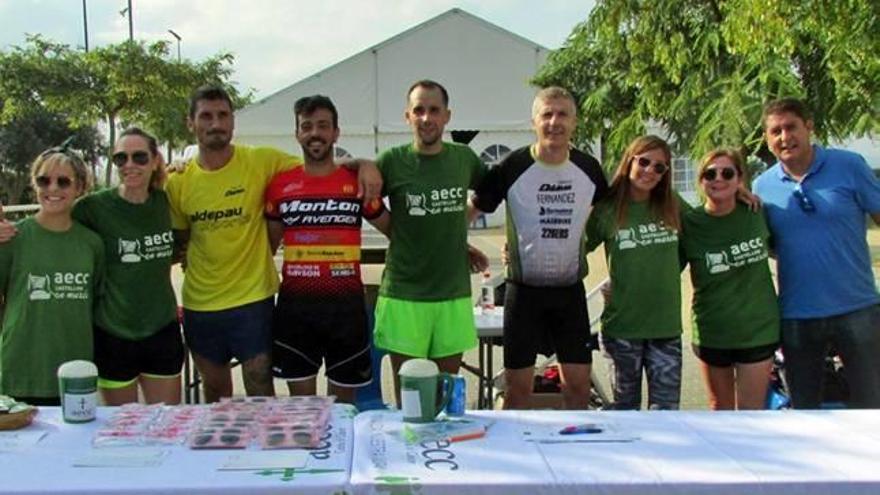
{"x":89,"y":278}
{"x":812,"y":221}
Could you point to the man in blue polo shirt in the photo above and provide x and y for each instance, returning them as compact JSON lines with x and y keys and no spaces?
{"x":816,"y":201}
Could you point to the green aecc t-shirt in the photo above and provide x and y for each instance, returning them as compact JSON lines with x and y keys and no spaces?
{"x":644,"y":267}
{"x":734,"y":303}
{"x":50,"y":280}
{"x":427,"y":257}
{"x":138,"y":298}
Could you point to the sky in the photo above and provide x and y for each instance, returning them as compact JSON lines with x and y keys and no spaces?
{"x":275,"y":42}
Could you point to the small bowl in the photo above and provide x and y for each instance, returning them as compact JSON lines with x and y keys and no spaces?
{"x":17,"y":420}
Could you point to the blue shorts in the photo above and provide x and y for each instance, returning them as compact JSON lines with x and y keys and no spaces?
{"x":242,"y":332}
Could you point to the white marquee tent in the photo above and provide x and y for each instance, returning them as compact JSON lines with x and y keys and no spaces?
{"x":485,"y":68}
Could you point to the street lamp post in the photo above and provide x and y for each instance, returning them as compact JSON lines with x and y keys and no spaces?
{"x":177,"y":36}
{"x":130,"y":22}
{"x":85,"y":27}
{"x":130,"y":13}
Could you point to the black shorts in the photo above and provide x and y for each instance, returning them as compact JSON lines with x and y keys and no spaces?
{"x":725,"y":358}
{"x":241,"y":332}
{"x":305,"y":334}
{"x":545,"y":320}
{"x":123,"y":360}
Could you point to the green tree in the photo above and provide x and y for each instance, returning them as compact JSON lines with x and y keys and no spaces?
{"x":26,"y":136}
{"x":704,"y":68}
{"x":125,"y":83}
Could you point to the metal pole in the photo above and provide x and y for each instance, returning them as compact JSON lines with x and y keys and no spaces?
{"x":177,"y":36}
{"x":85,"y":27}
{"x":130,"y":22}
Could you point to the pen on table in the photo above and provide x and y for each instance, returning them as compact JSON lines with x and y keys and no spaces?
{"x":467,"y":436}
{"x":578,"y":429}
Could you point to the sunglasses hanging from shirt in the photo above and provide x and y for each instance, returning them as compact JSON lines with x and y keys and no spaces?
{"x":804,"y":201}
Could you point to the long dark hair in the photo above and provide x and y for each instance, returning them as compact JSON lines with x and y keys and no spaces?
{"x":664,"y":205}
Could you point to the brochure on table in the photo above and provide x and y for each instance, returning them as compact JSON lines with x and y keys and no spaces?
{"x":500,"y":462}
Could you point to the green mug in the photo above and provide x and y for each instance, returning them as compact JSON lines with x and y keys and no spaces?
{"x":424,"y":390}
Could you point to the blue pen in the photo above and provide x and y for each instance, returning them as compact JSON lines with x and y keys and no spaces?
{"x":578,"y":429}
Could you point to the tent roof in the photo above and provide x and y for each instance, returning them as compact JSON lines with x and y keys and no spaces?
{"x":396,"y":38}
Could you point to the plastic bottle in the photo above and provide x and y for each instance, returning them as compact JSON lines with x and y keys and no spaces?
{"x":487,"y":294}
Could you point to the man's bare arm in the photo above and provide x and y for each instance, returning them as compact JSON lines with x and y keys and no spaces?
{"x":369,"y":177}
{"x":472,"y":211}
{"x":382,"y":223}
{"x":181,"y":242}
{"x":276,"y":233}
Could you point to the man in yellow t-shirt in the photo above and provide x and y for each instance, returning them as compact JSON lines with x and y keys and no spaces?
{"x":217,"y":214}
{"x":230,"y":281}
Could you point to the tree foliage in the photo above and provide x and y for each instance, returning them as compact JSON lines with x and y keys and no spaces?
{"x":704,"y":68}
{"x":26,"y":136}
{"x":126,"y":83}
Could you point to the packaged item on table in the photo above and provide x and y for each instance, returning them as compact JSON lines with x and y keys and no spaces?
{"x":246,"y":400}
{"x":118,"y":437}
{"x":220,"y":438}
{"x":307,"y":401}
{"x":166,"y":434}
{"x":290,"y":436}
{"x":246,"y":416}
{"x":303,"y":416}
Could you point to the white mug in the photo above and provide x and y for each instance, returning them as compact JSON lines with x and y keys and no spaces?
{"x":78,"y":390}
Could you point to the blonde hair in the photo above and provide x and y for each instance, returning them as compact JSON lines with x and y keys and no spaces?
{"x":60,"y":156}
{"x":734,"y":155}
{"x":664,"y":205}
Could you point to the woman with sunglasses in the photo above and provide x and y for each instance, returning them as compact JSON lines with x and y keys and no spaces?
{"x":639,"y":222}
{"x":50,"y":273}
{"x":736,"y":318}
{"x":137,"y":335}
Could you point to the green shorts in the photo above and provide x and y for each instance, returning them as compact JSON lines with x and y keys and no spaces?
{"x":426,"y":329}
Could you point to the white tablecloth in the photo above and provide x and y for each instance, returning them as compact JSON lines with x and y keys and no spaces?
{"x":500,"y":463}
{"x":47,"y":466}
{"x":764,"y":452}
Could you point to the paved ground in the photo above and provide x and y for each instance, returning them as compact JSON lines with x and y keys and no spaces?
{"x":491,"y":241}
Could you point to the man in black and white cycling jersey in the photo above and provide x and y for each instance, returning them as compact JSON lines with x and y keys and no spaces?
{"x":550,"y":189}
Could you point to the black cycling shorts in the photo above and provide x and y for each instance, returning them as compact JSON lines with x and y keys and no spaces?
{"x":123,"y":360}
{"x":305,"y":334}
{"x":545,"y":320}
{"x":725,"y":358}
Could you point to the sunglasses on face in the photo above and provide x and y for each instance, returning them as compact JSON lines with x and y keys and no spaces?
{"x":726,"y":173}
{"x":138,"y":157}
{"x":44,"y":181}
{"x":659,"y":168}
{"x":804,"y":201}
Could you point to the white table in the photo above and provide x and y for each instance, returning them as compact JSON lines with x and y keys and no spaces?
{"x":383,"y":463}
{"x":763,"y":452}
{"x":46,"y":467}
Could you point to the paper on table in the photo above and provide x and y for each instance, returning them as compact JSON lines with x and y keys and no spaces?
{"x":449,"y":429}
{"x":549,"y":433}
{"x":253,"y":460}
{"x":17,"y":440}
{"x":122,"y":457}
